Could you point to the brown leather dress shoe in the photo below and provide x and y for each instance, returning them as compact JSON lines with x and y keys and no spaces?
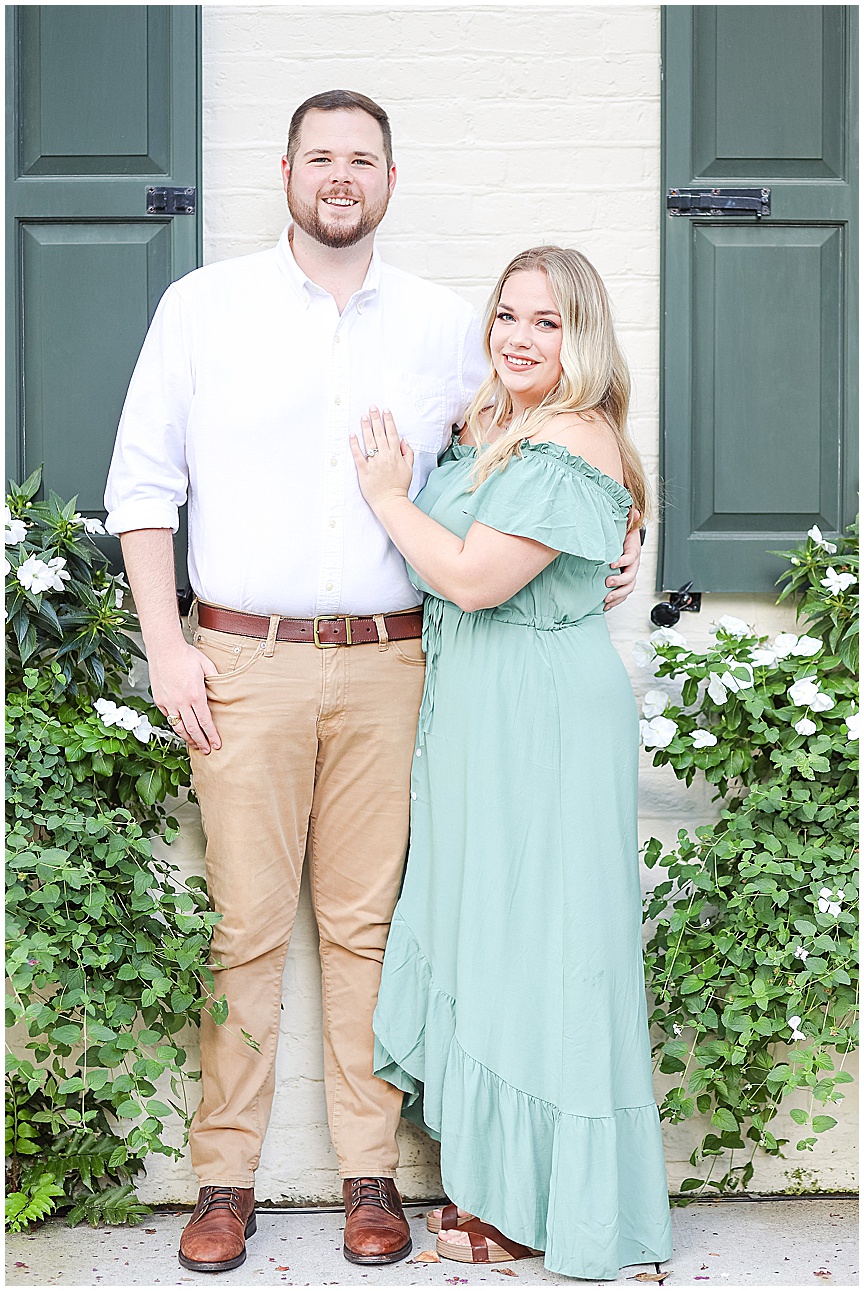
{"x":214,"y":1240}
{"x":376,"y":1231}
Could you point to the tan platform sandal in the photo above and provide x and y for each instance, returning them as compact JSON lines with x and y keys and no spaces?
{"x":446,"y":1217}
{"x":487,"y":1245}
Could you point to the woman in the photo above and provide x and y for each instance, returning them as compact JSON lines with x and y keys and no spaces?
{"x":512,"y":1006}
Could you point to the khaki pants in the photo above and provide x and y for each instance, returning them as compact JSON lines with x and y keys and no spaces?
{"x":315,"y":742}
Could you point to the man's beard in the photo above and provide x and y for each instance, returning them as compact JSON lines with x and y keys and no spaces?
{"x":335,"y":235}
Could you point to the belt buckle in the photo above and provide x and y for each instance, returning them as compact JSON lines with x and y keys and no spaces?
{"x":330,"y":618}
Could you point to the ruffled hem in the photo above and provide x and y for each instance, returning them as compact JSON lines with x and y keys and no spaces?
{"x":589,"y":1191}
{"x":547,"y":494}
{"x":557,"y":452}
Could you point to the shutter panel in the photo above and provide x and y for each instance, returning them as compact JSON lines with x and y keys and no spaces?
{"x":758,"y":415}
{"x":104,"y":103}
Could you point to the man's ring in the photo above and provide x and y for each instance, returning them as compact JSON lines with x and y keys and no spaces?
{"x":173,"y":719}
{"x":371,"y":453}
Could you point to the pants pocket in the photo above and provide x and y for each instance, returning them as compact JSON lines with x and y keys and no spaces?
{"x":231,"y":655}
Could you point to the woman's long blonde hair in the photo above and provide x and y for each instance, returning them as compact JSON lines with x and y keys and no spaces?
{"x":594,"y":375}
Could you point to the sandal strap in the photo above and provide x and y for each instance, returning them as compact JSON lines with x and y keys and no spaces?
{"x":450,"y":1216}
{"x":479,"y":1247}
{"x":477,"y":1230}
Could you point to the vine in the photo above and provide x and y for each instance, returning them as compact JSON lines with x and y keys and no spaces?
{"x":752,"y":961}
{"x":107,"y":948}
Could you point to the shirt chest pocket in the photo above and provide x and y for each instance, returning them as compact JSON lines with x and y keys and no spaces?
{"x":418,"y":408}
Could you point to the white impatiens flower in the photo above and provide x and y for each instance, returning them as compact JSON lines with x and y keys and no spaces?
{"x":38,"y":576}
{"x":107,"y":710}
{"x":668,"y":636}
{"x":703,"y":739}
{"x":716,"y":689}
{"x":805,"y":726}
{"x":853,"y":726}
{"x":801,"y":953}
{"x":90,"y":523}
{"x":784,"y":644}
{"x":138,"y":674}
{"x":144,"y":729}
{"x":738,"y":683}
{"x":763,"y":657}
{"x":677,"y":1030}
{"x":644,"y":654}
{"x":816,"y":534}
{"x":657,"y":733}
{"x":59,"y":573}
{"x":732,"y":627}
{"x":121,"y":587}
{"x":794,"y":1023}
{"x":837,"y":583}
{"x":805,"y":693}
{"x":127,"y":718}
{"x":654,"y":703}
{"x":15,"y":529}
{"x":807,"y":646}
{"x":828,"y":903}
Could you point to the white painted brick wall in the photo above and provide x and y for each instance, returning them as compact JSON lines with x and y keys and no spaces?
{"x":512,"y":126}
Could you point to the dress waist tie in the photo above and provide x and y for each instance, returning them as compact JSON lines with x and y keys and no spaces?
{"x":433,"y":613}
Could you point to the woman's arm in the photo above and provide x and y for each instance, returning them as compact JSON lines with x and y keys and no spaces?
{"x":484,"y":570}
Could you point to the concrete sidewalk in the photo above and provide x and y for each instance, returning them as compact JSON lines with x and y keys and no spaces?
{"x":802,"y":1242}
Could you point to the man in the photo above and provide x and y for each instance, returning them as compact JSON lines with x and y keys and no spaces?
{"x":299,"y":697}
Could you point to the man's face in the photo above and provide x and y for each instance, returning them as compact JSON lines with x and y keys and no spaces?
{"x":338,"y":186}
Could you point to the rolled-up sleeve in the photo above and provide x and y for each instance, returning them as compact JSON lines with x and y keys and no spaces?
{"x":148,"y":478}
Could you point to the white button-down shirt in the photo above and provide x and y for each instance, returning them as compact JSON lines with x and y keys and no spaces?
{"x":246,"y":391}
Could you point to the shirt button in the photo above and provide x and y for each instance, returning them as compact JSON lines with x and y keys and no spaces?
{"x":332,"y":524}
{"x":334,"y":461}
{"x":337,"y":399}
{"x":329,"y":587}
{"x":419,"y":753}
{"x":413,"y":795}
{"x":336,"y":340}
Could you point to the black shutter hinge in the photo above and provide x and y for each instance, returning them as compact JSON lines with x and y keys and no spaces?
{"x":171,"y":201}
{"x":719,"y":201}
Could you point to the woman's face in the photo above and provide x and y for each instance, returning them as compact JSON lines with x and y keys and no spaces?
{"x":526,"y":338}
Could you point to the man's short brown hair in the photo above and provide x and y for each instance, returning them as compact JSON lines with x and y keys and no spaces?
{"x":332,"y":101}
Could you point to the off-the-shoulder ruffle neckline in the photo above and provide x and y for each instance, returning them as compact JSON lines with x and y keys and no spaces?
{"x":547,"y":448}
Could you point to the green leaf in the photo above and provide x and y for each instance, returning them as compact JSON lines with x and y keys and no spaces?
{"x":66,"y":1035}
{"x":149,"y":786}
{"x":687,"y":1185}
{"x":129,"y":1109}
{"x":724,"y":1120}
{"x":219,"y":1011}
{"x":823,"y":1123}
{"x":799,"y":1117}
{"x":155,"y":1108}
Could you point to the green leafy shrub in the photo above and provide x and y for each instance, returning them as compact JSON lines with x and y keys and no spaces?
{"x":753,"y":958}
{"x":107,"y":949}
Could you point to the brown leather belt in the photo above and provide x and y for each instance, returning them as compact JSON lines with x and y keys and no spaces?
{"x":324,"y":631}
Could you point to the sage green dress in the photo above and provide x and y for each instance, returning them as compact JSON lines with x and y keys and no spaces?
{"x":512,"y":1007}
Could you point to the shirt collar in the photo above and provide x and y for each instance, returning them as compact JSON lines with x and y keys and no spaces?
{"x":303,"y":285}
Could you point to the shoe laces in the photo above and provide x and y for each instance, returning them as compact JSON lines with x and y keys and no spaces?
{"x":369,"y":1192}
{"x":220,"y":1199}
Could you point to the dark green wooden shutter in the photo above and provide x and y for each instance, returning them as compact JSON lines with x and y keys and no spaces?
{"x":104,"y":102}
{"x":759,"y":333}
